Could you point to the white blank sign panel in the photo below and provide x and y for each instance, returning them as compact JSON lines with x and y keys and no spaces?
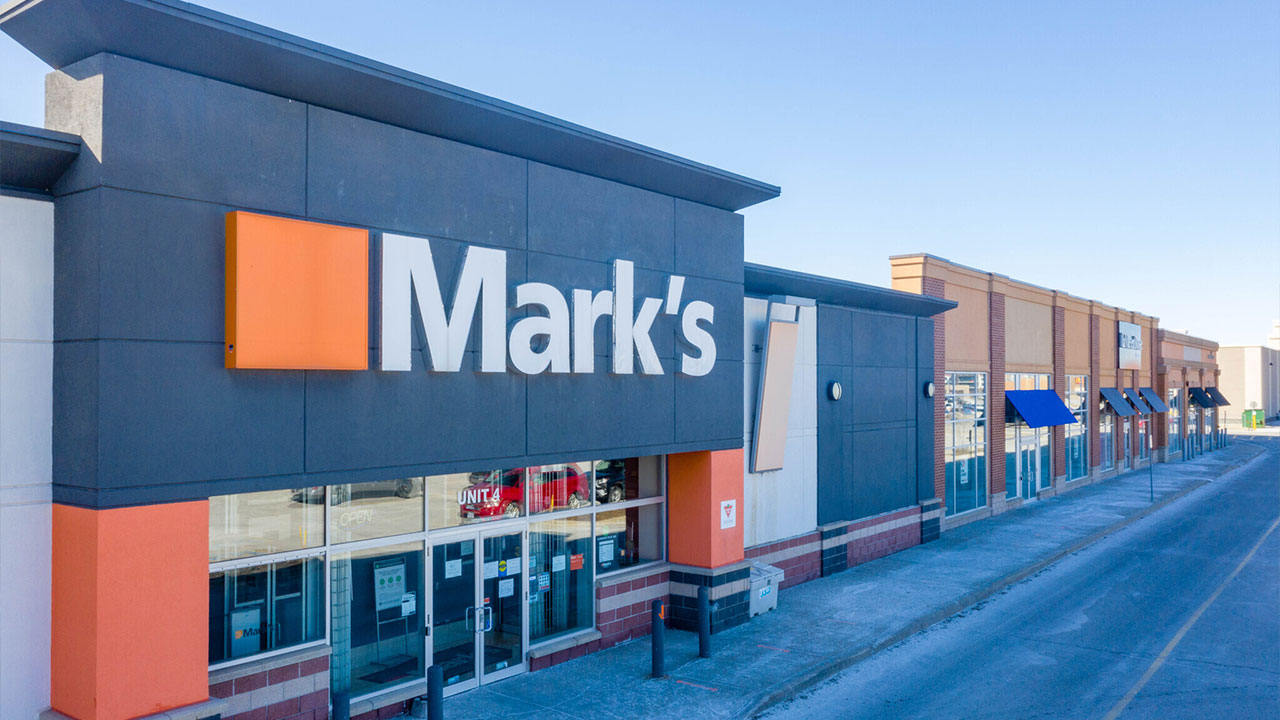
{"x":770,"y":442}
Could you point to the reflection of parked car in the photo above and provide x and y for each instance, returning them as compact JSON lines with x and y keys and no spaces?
{"x":494,"y":494}
{"x":611,"y":480}
{"x":338,"y":494}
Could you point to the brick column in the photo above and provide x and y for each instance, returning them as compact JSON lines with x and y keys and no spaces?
{"x":1095,"y":397}
{"x":1133,"y":435}
{"x":933,"y":287}
{"x":1058,"y":446}
{"x":995,"y":412}
{"x":1159,"y":421}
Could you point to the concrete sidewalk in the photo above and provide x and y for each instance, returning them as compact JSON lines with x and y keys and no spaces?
{"x":826,"y":625}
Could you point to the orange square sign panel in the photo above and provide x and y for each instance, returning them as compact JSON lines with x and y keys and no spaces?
{"x":297,"y":294}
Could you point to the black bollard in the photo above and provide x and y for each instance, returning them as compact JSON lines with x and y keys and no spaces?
{"x":704,"y":621}
{"x":435,"y":693}
{"x":658,"y":638}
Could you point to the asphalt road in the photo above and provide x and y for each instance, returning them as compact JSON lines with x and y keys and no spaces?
{"x":1175,"y":616}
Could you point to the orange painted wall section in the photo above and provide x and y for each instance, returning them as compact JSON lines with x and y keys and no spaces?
{"x":697,"y":485}
{"x":130,"y":610}
{"x":297,"y":294}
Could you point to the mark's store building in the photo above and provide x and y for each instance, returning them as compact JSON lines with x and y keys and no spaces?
{"x":315,"y":372}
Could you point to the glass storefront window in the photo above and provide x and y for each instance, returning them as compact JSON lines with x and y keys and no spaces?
{"x":561,"y":592}
{"x":369,"y":510}
{"x":264,"y":523}
{"x":627,"y":479}
{"x":377,"y":626}
{"x":628,"y":537}
{"x":1175,"y":420}
{"x":1027,"y":461}
{"x":1077,"y":435}
{"x":265,"y":607}
{"x":558,"y":487}
{"x":965,"y":436}
{"x":1107,"y":439}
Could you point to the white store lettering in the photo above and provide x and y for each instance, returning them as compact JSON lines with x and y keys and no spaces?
{"x":556,"y":337}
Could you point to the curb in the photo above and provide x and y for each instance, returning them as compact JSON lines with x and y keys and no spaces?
{"x":797,"y":685}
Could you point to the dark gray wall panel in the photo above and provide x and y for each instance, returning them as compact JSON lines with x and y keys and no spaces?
{"x":708,"y":242}
{"x":170,"y":413}
{"x":879,"y":394}
{"x":586,"y":217}
{"x":881,"y":340}
{"x":412,"y":183}
{"x":924,"y":409}
{"x":171,"y":133}
{"x":375,"y":419}
{"x":879,"y":481}
{"x":835,"y":335}
{"x":700,"y":403}
{"x":77,"y":222}
{"x":75,"y":412}
{"x":599,"y":412}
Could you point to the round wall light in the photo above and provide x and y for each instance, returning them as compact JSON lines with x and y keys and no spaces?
{"x":834,"y":390}
{"x":928,"y":389}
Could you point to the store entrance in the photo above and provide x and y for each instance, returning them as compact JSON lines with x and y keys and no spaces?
{"x":1127,"y":451}
{"x":478,"y":627}
{"x":1028,"y":467}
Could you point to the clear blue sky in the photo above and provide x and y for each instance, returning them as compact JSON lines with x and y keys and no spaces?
{"x":1127,"y":152}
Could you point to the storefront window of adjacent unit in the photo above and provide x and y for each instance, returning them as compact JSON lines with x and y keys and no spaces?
{"x":1107,"y":439}
{"x":1077,"y":435}
{"x":1175,"y":420}
{"x":1193,"y":427}
{"x":1209,"y":414}
{"x":625,"y":479}
{"x":966,"y":441}
{"x":1144,"y":427}
{"x":264,"y":523}
{"x":265,"y":607}
{"x":377,"y":618}
{"x":561,"y":591}
{"x":362,"y":511}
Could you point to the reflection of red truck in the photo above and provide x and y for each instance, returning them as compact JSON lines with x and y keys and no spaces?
{"x":501,"y":493}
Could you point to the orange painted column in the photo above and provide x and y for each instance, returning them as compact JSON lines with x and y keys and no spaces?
{"x":130,"y":609}
{"x":704,"y":501}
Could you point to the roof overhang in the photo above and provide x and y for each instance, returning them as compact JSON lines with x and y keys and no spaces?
{"x":32,"y":159}
{"x":766,"y":280}
{"x":196,"y":40}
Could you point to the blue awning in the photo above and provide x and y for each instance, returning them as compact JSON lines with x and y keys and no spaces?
{"x":1153,"y":399}
{"x":1217,"y":396}
{"x":1116,"y":400}
{"x":1132,"y":396}
{"x":1040,"y":408}
{"x":1201,"y":398}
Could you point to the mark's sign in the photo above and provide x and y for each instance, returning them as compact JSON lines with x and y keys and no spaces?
{"x":297,"y":298}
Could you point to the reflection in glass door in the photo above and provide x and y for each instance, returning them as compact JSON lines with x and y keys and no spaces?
{"x":478,"y":624}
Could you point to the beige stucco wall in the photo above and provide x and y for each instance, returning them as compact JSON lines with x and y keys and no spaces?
{"x":1076,"y":326}
{"x":1028,"y":328}
{"x":968,"y":338}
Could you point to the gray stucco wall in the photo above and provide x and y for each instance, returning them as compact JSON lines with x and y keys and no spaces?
{"x":875,"y":445}
{"x":146,"y":412}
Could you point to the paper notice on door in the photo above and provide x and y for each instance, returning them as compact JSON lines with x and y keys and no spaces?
{"x":491,"y":570}
{"x":533,"y":562}
{"x":606,"y":549}
{"x":557,"y":563}
{"x":507,"y":587}
{"x":408,"y":604}
{"x":452,"y":568}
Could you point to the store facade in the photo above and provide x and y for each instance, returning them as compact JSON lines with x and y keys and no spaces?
{"x":1113,"y":387}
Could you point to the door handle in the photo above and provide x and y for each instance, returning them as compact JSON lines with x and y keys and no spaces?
{"x":470,"y":619}
{"x":488,"y":618}
{"x":479,"y":619}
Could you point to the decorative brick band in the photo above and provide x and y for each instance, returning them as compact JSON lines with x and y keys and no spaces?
{"x":847,"y":545}
{"x":799,"y":558}
{"x":729,"y":590}
{"x":294,"y":686}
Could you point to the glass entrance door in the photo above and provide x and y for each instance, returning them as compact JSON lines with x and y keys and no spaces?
{"x":1127,"y":450}
{"x":1028,"y":467}
{"x":477,"y":601}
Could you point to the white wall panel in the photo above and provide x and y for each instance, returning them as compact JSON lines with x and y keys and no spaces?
{"x":26,"y":428}
{"x":782,"y":503}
